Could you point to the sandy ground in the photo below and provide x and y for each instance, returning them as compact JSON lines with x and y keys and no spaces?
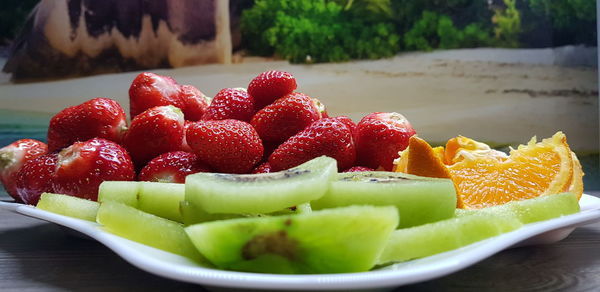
{"x":499,"y":96}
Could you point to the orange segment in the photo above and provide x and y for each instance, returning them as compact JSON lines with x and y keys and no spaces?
{"x":419,"y":158}
{"x":422,"y":160}
{"x":531,"y":170}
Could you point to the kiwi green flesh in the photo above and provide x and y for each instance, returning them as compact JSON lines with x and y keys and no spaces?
{"x":470,"y":226}
{"x":125,"y":192}
{"x":433,"y":238}
{"x":69,"y":206}
{"x":193,"y":215}
{"x":535,"y":209}
{"x":260,"y":193}
{"x":337,"y":240}
{"x":148,"y":229}
{"x":160,"y":199}
{"x":419,"y":200}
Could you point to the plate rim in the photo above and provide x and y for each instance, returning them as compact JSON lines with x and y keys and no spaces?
{"x":187,"y":271}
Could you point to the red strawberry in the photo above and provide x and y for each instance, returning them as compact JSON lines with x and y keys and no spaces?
{"x":379,"y":137}
{"x":155,"y":131}
{"x":83,"y":166}
{"x":12,"y":159}
{"x":149,"y":90}
{"x":194,"y":102}
{"x":36,"y":177}
{"x":229,"y":146}
{"x":262,"y":168}
{"x":231,"y":103}
{"x":348,"y":122}
{"x":285,"y":117}
{"x":358,"y":169}
{"x":271,"y":85}
{"x":324,"y":137}
{"x":172,"y":167}
{"x":98,"y":117}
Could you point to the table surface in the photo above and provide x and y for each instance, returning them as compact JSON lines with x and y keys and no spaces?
{"x":37,"y":255}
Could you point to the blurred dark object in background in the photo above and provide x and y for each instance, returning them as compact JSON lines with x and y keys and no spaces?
{"x":12,"y":17}
{"x":67,"y":38}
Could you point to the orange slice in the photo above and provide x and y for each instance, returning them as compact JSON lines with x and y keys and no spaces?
{"x":531,"y":170}
{"x":419,"y":158}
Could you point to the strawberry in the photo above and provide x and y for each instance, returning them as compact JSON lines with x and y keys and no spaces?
{"x":194,"y":102}
{"x":358,"y":169}
{"x":271,"y":85}
{"x":262,"y":168}
{"x":155,"y":131}
{"x":83,"y":166}
{"x":149,"y":90}
{"x":379,"y":137}
{"x":98,"y":117}
{"x":231,"y":103}
{"x":172,"y":167}
{"x":285,"y":117}
{"x":36,"y":177}
{"x":323,"y":137}
{"x":230,"y":146}
{"x":348,"y":122}
{"x":12,"y":159}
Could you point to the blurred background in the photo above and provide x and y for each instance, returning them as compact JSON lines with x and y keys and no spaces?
{"x":498,"y":71}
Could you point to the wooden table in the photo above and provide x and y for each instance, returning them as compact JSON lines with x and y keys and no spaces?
{"x":36,"y":255}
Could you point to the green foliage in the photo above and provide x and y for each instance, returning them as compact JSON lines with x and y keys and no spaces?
{"x":507,"y":25}
{"x":462,"y":12}
{"x":12,"y":17}
{"x":340,"y":30}
{"x":316,"y":31}
{"x":433,"y":31}
{"x":371,"y":10}
{"x":566,"y":21}
{"x":565,"y":12}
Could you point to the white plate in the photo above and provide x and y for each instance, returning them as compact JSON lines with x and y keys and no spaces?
{"x":176,"y":267}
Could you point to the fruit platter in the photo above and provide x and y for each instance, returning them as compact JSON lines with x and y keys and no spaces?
{"x":260,"y":187}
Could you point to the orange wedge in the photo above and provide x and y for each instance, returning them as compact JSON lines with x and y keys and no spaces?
{"x":531,"y":170}
{"x":485,"y":177}
{"x":419,"y":158}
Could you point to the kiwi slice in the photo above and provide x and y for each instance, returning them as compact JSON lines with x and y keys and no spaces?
{"x":160,"y":199}
{"x":148,"y":229}
{"x":190,"y":214}
{"x":260,"y":193}
{"x":429,"y":239}
{"x":470,"y":226}
{"x":335,"y":240}
{"x":419,"y":200}
{"x":533,"y":210}
{"x":69,"y":206}
{"x":125,"y":192}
